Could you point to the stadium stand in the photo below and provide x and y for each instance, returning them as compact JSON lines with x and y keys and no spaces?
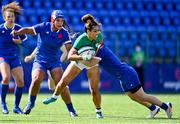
{"x":153,"y":23}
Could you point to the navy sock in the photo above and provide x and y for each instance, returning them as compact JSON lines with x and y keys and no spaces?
{"x":152,"y":107}
{"x":32,"y":100}
{"x":4,"y":90}
{"x":70,"y":107}
{"x":18,"y":95}
{"x":164,"y":106}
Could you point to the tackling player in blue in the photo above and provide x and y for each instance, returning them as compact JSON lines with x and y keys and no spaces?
{"x":10,"y":57}
{"x":51,"y":36}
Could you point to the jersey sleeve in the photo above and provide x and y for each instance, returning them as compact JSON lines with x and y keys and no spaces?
{"x":77,"y":43}
{"x":99,"y":37}
{"x":67,"y":38}
{"x":38,"y":28}
{"x":22,"y":37}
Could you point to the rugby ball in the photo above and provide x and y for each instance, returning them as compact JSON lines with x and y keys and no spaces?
{"x":86,"y":50}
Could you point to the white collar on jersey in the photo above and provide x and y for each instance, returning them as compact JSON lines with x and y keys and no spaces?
{"x":7,"y":27}
{"x":56,"y":31}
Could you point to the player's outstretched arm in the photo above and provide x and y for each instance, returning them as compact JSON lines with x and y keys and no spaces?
{"x":25,"y":30}
{"x":30,"y":57}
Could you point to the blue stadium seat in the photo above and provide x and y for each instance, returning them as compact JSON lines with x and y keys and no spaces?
{"x":41,"y":12}
{"x":37,"y":4}
{"x":153,"y":36}
{"x":68,"y":5}
{"x":133,"y":36}
{"x":88,"y":5}
{"x":119,"y":6}
{"x":158,"y":44}
{"x":57,"y":4}
{"x":115,"y":21}
{"x":130,"y":6}
{"x":172,"y":53}
{"x":139,"y":6}
{"x":126,"y":21}
{"x":164,"y":36}
{"x":99,"y":5}
{"x":121,"y":51}
{"x":22,"y":20}
{"x":33,"y":20}
{"x":173,"y":36}
{"x":79,"y":5}
{"x":26,"y":4}
{"x":47,"y":4}
{"x":106,"y":21}
{"x":176,"y":21}
{"x":143,"y":36}
{"x":148,"y":5}
{"x":123,"y":36}
{"x":162,"y":52}
{"x":159,"y":6}
{"x":108,"y":5}
{"x":169,"y":7}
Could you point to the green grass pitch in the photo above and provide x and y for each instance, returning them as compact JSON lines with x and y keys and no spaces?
{"x":117,"y":109}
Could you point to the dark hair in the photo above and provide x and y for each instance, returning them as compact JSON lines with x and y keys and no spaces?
{"x":12,"y":7}
{"x":72,"y":33}
{"x":90,"y":22}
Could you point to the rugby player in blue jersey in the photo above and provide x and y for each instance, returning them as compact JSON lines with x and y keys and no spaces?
{"x":51,"y":36}
{"x":10,"y":57}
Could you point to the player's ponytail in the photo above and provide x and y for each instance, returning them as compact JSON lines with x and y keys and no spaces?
{"x":90,"y":22}
{"x":87,"y":17}
{"x":12,"y":7}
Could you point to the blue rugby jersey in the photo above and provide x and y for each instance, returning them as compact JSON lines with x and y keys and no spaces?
{"x":120,"y":70}
{"x":8,"y":48}
{"x":49,"y":42}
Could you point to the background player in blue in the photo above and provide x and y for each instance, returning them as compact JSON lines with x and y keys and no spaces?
{"x":9,"y":56}
{"x":51,"y":36}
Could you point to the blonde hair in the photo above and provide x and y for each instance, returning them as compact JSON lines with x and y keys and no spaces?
{"x":12,"y":7}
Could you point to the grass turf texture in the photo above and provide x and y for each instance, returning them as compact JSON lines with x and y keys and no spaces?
{"x":117,"y":109}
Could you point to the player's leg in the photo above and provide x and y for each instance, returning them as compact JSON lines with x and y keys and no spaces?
{"x":70,"y":73}
{"x":18,"y":75}
{"x":38,"y":75}
{"x":5,"y":73}
{"x":56,"y":76}
{"x":141,"y":97}
{"x":51,"y":83}
{"x":153,"y":108}
{"x":93,"y":76}
{"x":131,"y":84}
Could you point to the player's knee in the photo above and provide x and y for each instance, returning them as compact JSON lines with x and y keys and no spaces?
{"x":5,"y":80}
{"x":36,"y":80}
{"x":19,"y":82}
